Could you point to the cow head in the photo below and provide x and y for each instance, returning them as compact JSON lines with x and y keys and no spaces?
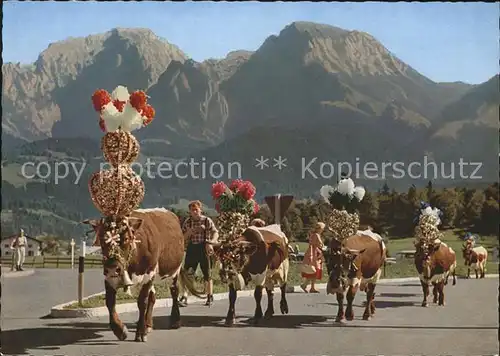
{"x":233,"y":256}
{"x":116,"y":237}
{"x":343,"y":266}
{"x":424,"y":252}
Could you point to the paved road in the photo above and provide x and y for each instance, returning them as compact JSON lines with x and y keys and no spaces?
{"x":467,"y":325}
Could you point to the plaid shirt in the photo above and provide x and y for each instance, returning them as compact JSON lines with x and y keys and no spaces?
{"x":202,"y":236}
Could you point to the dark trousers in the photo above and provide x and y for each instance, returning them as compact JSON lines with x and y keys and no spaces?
{"x":196,"y":254}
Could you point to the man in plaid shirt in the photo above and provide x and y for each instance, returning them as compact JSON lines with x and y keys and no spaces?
{"x":198,"y":229}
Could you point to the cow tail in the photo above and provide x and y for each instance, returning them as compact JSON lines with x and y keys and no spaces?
{"x":188,"y":283}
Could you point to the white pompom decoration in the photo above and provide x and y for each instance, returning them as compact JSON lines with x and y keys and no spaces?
{"x":359,"y":193}
{"x":131,"y":119}
{"x":346,"y":187}
{"x":325,"y":191}
{"x":434,"y":212}
{"x":120,"y":93}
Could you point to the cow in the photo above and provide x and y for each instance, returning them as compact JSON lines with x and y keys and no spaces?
{"x":475,"y":258}
{"x":434,"y":261}
{"x":261,"y":254}
{"x":355,"y":263}
{"x":159,"y":251}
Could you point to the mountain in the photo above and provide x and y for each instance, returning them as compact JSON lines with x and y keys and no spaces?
{"x":311,"y":92}
{"x":468,"y":128}
{"x":310,"y":69}
{"x":50,"y":98}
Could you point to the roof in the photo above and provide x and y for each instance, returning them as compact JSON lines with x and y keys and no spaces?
{"x":28,"y":237}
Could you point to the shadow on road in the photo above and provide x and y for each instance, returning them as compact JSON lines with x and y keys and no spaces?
{"x":381,"y":304}
{"x":398,"y":295}
{"x":277,"y":321}
{"x":51,"y":338}
{"x":17,"y":342}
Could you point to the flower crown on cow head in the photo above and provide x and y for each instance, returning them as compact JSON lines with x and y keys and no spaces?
{"x":238,"y":197}
{"x":428,"y":221}
{"x":235,"y":205}
{"x":344,"y":199}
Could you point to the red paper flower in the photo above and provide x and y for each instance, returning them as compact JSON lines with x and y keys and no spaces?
{"x":138,"y":100}
{"x":100,"y":99}
{"x":148,"y":112}
{"x":218,"y":189}
{"x":247,"y":190}
{"x":235,"y":185}
{"x":256,"y":207}
{"x":119,"y":105}
{"x":102,"y":124}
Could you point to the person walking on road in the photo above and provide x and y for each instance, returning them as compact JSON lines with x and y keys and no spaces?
{"x":19,"y":247}
{"x":312,"y":265}
{"x":198,"y":229}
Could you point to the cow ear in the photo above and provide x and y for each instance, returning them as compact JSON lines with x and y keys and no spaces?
{"x":135,"y":224}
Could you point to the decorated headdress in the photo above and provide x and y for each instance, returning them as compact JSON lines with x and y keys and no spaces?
{"x":428,"y":222}
{"x":344,"y":199}
{"x":235,"y":205}
{"x":118,"y":191}
{"x":470,"y":239}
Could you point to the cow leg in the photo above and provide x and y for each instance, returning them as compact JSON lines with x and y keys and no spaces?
{"x":425,"y":290}
{"x":340,"y":302}
{"x":370,"y":294}
{"x":175,"y":314}
{"x":475,"y":270}
{"x":142,"y":302}
{"x":270,"y":303}
{"x":231,"y":314}
{"x":440,"y":287}
{"x":258,"y":308}
{"x":149,"y":310}
{"x":483,"y":269}
{"x":349,"y":313}
{"x":468,"y":272}
{"x":434,"y":293}
{"x":283,"y":301}
{"x":116,"y":325}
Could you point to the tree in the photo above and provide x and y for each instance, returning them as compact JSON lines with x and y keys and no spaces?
{"x":473,"y":206}
{"x":430,"y":193}
{"x":286,"y":227}
{"x":369,"y":209}
{"x":447,"y":202}
{"x":385,"y":190}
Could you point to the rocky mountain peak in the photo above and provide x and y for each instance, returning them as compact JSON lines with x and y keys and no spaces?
{"x":335,"y":49}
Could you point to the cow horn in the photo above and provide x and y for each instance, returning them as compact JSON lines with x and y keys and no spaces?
{"x":352,"y":251}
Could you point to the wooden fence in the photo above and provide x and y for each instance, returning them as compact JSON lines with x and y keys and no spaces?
{"x":53,"y":262}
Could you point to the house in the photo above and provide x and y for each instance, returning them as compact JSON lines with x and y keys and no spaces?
{"x":34,"y":247}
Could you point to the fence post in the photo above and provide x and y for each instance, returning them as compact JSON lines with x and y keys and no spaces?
{"x":81,"y":270}
{"x":72,"y":243}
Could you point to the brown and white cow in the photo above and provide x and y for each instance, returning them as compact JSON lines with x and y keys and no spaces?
{"x":355,"y":263}
{"x":159,"y":252}
{"x":475,"y":258}
{"x":435,"y":261}
{"x":262,"y":257}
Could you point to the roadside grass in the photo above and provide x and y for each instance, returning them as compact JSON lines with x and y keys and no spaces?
{"x":401,"y":269}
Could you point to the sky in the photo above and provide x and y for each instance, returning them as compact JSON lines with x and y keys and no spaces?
{"x":446,"y":42}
